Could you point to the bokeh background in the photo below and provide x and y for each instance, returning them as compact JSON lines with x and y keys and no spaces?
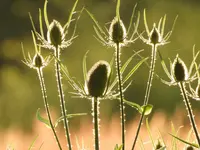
{"x":20,"y":94}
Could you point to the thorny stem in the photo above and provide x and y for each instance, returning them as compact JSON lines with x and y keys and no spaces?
{"x":61,"y":95}
{"x":95,"y":113}
{"x":148,"y":89}
{"x":120,"y":86}
{"x":43,"y":88}
{"x":189,"y":110}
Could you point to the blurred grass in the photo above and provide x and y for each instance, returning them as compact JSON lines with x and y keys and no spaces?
{"x":20,"y":94}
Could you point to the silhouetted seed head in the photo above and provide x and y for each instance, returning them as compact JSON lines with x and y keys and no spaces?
{"x":159,"y":145}
{"x":155,"y":36}
{"x":117,"y":31}
{"x":38,"y":61}
{"x":189,"y":148}
{"x":179,"y":70}
{"x":97,"y":79}
{"x":55,"y":33}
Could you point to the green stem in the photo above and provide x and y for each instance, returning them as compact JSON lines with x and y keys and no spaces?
{"x":95,"y":113}
{"x":62,"y":100}
{"x":120,"y":86}
{"x":43,"y":88}
{"x":148,"y":89}
{"x":189,"y":109}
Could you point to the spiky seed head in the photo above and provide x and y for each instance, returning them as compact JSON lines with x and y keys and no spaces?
{"x":159,"y":145}
{"x":179,"y":70}
{"x":97,"y":79}
{"x":38,"y":61}
{"x":55,"y":33}
{"x":117,"y":31}
{"x":155,"y":37}
{"x":189,"y":148}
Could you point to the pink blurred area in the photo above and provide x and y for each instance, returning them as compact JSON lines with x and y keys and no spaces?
{"x":82,"y":138}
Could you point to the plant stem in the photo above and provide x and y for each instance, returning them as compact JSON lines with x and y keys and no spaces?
{"x":43,"y":88}
{"x":95,"y":113}
{"x":189,"y":110}
{"x":120,"y":86}
{"x":148,"y":89}
{"x":62,"y":100}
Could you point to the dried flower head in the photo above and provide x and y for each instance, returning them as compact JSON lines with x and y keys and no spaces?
{"x":179,"y":70}
{"x":159,"y":145}
{"x":189,"y":148}
{"x":117,"y":32}
{"x":98,"y":78}
{"x":37,"y":62}
{"x":55,"y":34}
{"x":156,"y":36}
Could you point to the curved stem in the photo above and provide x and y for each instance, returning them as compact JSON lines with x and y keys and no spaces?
{"x":189,"y":110}
{"x":95,"y":113}
{"x":120,"y":86}
{"x":62,"y":100}
{"x":148,"y":89}
{"x":43,"y":88}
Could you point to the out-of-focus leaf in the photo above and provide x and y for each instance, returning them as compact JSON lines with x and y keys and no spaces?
{"x":147,"y":108}
{"x":33,"y":142}
{"x":186,"y":142}
{"x":134,"y":105}
{"x":68,"y":116}
{"x":118,"y":147}
{"x":41,"y":119}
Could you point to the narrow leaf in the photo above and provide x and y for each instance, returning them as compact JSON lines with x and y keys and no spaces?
{"x":33,"y":142}
{"x":32,"y":23}
{"x":95,"y":21}
{"x":85,"y":66}
{"x":68,"y":117}
{"x":149,"y":131}
{"x":191,"y":144}
{"x":131,"y":20}
{"x":145,"y":22}
{"x":45,"y":14}
{"x":41,"y":119}
{"x":71,"y":14}
{"x":134,"y":69}
{"x":134,"y":105}
{"x":41,"y":24}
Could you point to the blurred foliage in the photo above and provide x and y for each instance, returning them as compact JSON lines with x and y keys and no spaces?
{"x":20,"y":94}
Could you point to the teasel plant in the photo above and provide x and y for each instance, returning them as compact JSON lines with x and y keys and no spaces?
{"x":181,"y":76}
{"x":56,"y":41}
{"x":117,"y":36}
{"x":39,"y":63}
{"x":155,"y":38}
{"x":90,"y":91}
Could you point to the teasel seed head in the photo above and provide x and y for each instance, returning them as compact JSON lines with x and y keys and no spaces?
{"x":189,"y":148}
{"x":155,"y":37}
{"x":117,"y":31}
{"x":97,"y":79}
{"x":159,"y":145}
{"x":55,"y":33}
{"x":38,"y":61}
{"x":179,"y":70}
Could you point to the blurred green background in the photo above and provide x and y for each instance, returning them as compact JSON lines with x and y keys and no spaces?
{"x":20,"y":94}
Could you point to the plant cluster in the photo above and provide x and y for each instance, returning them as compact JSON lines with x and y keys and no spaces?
{"x":100,"y":83}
